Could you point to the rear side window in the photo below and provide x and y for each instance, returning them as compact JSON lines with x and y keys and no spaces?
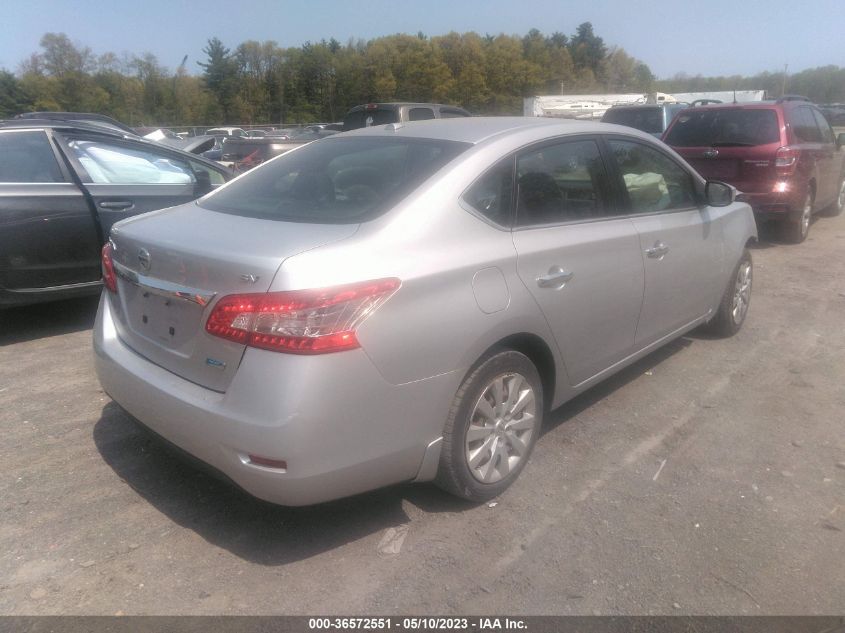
{"x":108,"y":163}
{"x":560,"y":183}
{"x":654,"y":182}
{"x":827,"y":132}
{"x":491,"y":195}
{"x":724,"y":127}
{"x":27,"y":157}
{"x":420,"y":114}
{"x":335,"y":180}
{"x":452,"y":113}
{"x":804,"y":125}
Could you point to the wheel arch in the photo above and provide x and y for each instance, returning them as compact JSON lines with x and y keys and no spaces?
{"x":537,"y":351}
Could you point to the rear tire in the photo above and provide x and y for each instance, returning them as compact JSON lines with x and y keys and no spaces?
{"x":735,"y":301}
{"x":797,"y":226}
{"x":835,"y":207}
{"x":492,"y":427}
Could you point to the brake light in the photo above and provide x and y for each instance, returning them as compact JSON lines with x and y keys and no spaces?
{"x":300,"y":321}
{"x":786,"y":161}
{"x":109,"y":277}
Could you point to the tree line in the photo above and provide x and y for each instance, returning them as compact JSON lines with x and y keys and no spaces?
{"x":263,"y":82}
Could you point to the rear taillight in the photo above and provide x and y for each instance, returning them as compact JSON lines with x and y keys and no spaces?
{"x":299,"y":321}
{"x":786,"y":161}
{"x":109,"y":278}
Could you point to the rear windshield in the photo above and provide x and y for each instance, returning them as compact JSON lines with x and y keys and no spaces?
{"x":724,"y":127}
{"x":335,"y":181}
{"x":366,"y":118}
{"x":646,"y":119}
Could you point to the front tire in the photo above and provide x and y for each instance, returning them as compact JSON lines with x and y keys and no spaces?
{"x":492,"y":427}
{"x":735,"y":301}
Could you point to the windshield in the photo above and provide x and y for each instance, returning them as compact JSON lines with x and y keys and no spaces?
{"x":335,"y":181}
{"x":724,"y":127}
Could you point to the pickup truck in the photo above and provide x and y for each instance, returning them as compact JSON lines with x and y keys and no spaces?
{"x":382,"y":113}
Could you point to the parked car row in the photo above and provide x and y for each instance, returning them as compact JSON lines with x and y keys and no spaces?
{"x":782,"y":155}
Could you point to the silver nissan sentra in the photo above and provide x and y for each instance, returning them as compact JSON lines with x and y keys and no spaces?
{"x":405,"y":302}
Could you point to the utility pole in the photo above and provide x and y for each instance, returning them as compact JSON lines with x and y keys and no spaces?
{"x":783,"y":85}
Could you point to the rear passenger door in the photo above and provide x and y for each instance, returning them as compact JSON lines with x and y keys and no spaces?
{"x":680,"y":241}
{"x":579,"y":260}
{"x":126,"y":178}
{"x":48,"y":234}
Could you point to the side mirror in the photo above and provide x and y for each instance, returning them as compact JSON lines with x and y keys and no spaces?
{"x":719,"y":194}
{"x":840,"y":140}
{"x":203,"y":184}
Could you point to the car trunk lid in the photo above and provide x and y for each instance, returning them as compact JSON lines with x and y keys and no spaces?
{"x":173,"y":265}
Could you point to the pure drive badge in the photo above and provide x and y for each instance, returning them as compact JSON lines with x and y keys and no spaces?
{"x":213,"y":362}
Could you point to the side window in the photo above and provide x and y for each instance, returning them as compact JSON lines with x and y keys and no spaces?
{"x":420,"y":114}
{"x":215,"y":177}
{"x":653,"y":180}
{"x":560,"y":183}
{"x":27,"y":157}
{"x":117,"y":164}
{"x":491,"y":195}
{"x":824,"y":126}
{"x":452,"y":113}
{"x":804,"y":125}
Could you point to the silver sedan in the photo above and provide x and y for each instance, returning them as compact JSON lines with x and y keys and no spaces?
{"x":406,"y":302}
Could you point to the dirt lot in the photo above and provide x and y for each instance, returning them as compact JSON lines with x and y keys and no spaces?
{"x":708,"y":478}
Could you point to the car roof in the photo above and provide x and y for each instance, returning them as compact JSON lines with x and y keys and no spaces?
{"x":643,"y":106}
{"x":92,"y":127}
{"x":767,"y":104}
{"x":65,"y":124}
{"x":397,"y":104}
{"x":476,"y":130}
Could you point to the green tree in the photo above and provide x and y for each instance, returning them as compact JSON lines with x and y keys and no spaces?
{"x":587,"y":50}
{"x":220,"y":75}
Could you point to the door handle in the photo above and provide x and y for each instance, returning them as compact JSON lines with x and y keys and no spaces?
{"x":658,"y":251}
{"x":117,"y":205}
{"x":556,"y":278}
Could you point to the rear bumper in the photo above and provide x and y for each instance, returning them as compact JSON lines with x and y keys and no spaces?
{"x":774,"y":205}
{"x":341,"y":428}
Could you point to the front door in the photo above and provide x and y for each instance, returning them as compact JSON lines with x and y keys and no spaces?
{"x":680,"y":240}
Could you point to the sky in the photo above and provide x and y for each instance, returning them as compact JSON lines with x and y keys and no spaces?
{"x":707,"y":37}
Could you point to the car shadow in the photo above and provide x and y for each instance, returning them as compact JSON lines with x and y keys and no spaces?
{"x":27,"y":323}
{"x":230,"y":518}
{"x":599,"y":392}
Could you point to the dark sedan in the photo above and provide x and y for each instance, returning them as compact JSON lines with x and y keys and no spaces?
{"x":62,"y":186}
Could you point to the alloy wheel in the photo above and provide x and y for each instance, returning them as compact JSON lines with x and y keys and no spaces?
{"x":742,"y":293}
{"x":501,"y":427}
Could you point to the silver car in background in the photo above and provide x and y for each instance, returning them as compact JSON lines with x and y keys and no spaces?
{"x":405,"y":302}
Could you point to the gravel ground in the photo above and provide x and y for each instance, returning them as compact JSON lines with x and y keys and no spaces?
{"x":709,"y":478}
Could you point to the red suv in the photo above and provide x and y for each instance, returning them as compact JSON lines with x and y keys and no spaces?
{"x":782,"y":155}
